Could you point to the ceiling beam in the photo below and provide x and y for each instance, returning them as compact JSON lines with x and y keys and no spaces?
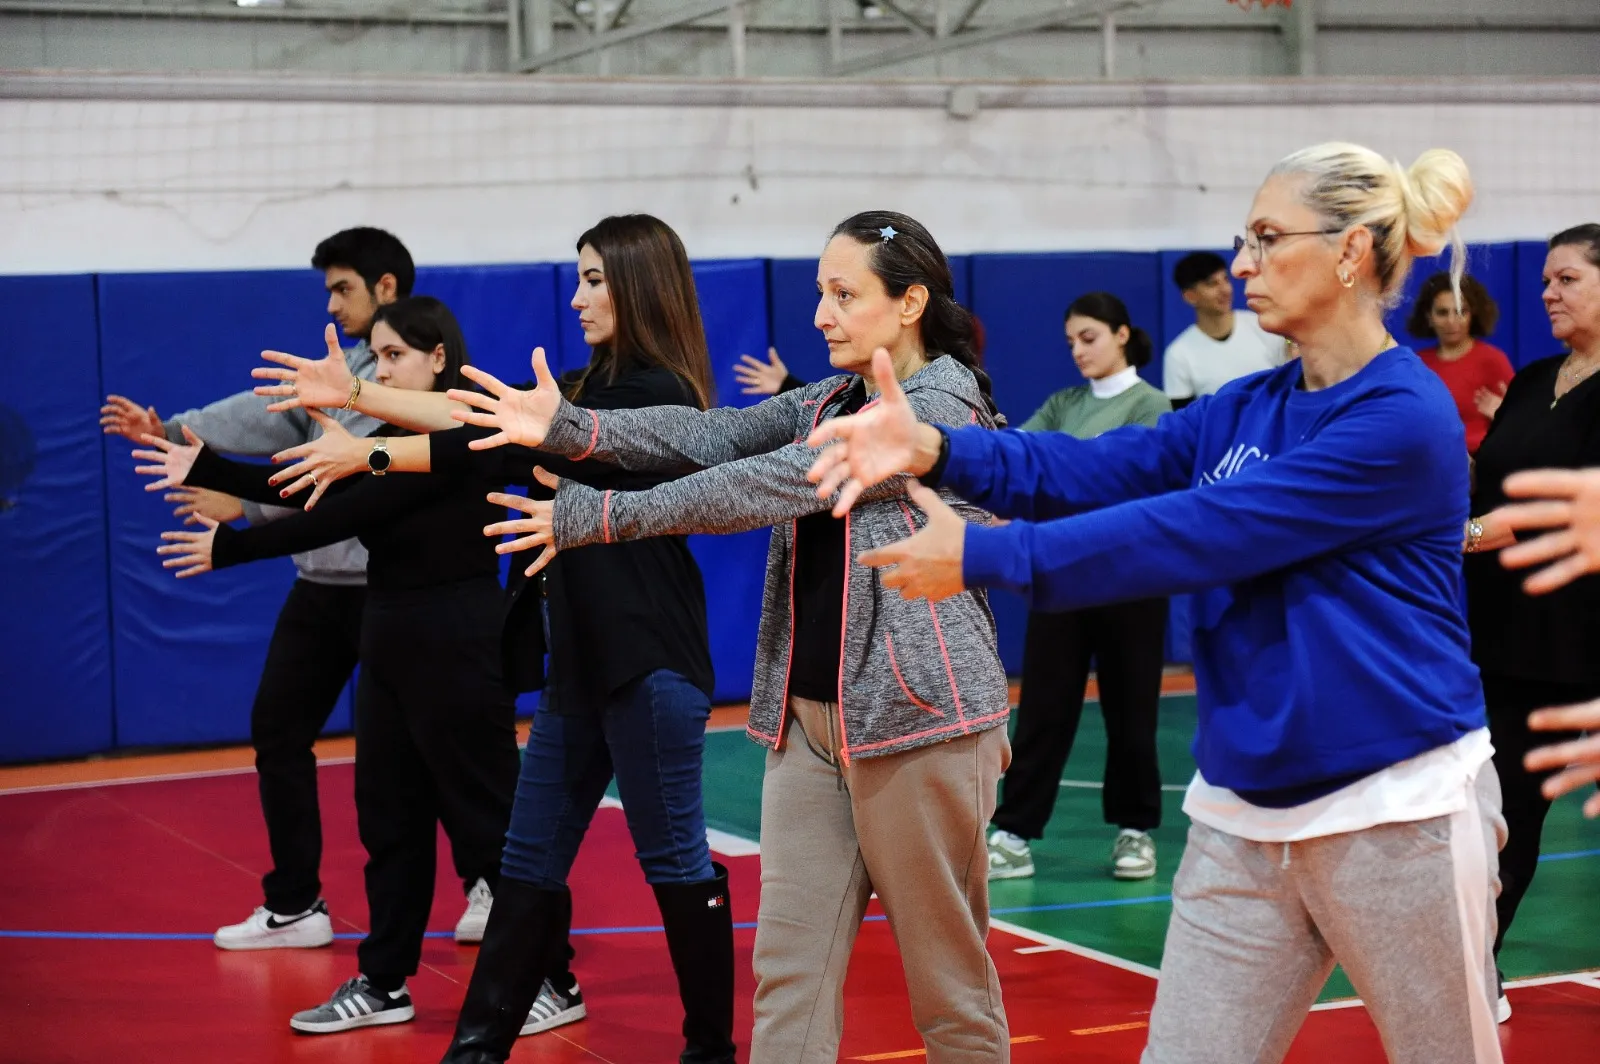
{"x":1071,"y":11}
{"x":686,"y":14}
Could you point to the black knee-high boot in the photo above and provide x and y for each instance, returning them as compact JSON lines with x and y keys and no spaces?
{"x":699,"y":922}
{"x":526,"y":928}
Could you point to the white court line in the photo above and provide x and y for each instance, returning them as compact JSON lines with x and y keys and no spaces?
{"x":1062,"y":945}
{"x":1090,"y":785}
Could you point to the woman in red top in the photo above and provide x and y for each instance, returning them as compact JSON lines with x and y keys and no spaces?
{"x":1475,"y":372}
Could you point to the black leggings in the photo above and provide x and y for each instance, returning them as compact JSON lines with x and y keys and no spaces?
{"x":436,"y":744}
{"x":1128,"y":644}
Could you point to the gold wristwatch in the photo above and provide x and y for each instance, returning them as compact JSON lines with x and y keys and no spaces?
{"x":1474,"y":534}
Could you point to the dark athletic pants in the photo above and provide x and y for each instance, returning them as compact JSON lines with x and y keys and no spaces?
{"x":313,"y":651}
{"x":1128,"y":643}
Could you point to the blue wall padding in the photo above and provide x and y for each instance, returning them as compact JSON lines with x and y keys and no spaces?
{"x":1532,"y":340}
{"x":504,"y":311}
{"x":101,"y":647}
{"x":55,"y":666}
{"x":188,"y":652}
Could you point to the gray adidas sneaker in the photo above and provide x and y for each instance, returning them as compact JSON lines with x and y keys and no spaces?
{"x":1009,"y":856}
{"x":355,"y":1004}
{"x":552,"y":1009}
{"x":1133,"y":855}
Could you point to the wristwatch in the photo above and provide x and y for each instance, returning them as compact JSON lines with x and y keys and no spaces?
{"x":1474,"y":534}
{"x":378,"y":458}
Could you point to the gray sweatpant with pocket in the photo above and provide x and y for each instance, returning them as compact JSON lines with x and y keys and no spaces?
{"x":1407,"y":909}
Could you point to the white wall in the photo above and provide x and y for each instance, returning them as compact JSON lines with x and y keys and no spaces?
{"x":146,"y":184}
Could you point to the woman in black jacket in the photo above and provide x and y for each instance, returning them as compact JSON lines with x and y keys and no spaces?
{"x":434,"y":722}
{"x":630,"y":681}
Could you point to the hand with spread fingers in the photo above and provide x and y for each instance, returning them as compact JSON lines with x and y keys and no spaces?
{"x":1568,"y":504}
{"x":521,"y":417}
{"x":865,"y":449}
{"x":124,"y":417}
{"x":195,"y":503}
{"x":317,"y":465}
{"x":189,"y":552}
{"x":306,"y":382}
{"x":1578,"y":759}
{"x":173,"y":460}
{"x":761,"y":378}
{"x":536,"y":530}
{"x":926,"y":565}
{"x":1488,"y":400}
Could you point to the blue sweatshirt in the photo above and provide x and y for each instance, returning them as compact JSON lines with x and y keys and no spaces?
{"x":1322,"y":534}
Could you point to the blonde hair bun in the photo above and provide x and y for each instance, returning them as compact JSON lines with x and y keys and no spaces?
{"x":1435,"y":192}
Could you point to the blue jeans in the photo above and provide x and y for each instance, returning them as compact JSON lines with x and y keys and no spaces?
{"x":651,"y":736}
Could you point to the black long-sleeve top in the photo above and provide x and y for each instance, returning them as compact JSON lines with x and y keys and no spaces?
{"x":618,"y":611}
{"x":1554,"y":637}
{"x":419,"y":530}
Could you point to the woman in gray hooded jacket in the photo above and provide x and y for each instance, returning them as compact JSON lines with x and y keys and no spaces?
{"x":884,"y":719}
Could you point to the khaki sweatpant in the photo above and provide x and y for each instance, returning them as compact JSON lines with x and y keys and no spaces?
{"x":909,"y":826}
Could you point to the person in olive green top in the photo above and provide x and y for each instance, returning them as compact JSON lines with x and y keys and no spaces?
{"x":1127,"y":642}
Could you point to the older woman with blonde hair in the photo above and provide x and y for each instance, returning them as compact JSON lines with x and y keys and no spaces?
{"x":1345,"y":809}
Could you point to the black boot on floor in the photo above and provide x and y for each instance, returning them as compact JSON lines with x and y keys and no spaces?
{"x":527,"y":926}
{"x":699,"y":923}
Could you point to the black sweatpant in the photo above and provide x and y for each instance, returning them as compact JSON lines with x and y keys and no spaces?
{"x":1127,"y":642}
{"x":313,"y":650}
{"x":435,"y":744}
{"x":1510,"y":700}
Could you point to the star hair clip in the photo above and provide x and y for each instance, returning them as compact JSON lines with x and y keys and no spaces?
{"x":888,"y":233}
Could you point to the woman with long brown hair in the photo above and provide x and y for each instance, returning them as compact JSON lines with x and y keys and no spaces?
{"x":628,"y":695}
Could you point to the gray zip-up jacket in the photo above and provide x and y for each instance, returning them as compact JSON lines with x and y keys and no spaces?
{"x":911,"y":673}
{"x":241,"y":424}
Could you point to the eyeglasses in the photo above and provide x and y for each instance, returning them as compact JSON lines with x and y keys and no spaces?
{"x":1261,"y":243}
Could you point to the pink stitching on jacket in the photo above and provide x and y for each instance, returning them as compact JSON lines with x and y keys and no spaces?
{"x":594,"y":438}
{"x":901,"y":680}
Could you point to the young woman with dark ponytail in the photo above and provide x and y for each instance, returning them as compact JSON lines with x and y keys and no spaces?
{"x":1126,"y":641}
{"x":884,"y":718}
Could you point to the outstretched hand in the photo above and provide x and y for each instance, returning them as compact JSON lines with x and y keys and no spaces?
{"x":123,"y":417}
{"x":173,"y":460}
{"x":926,"y":565}
{"x":521,"y":417}
{"x":1578,"y":760}
{"x":333,"y":455}
{"x":1568,"y":504}
{"x":306,"y":382}
{"x":189,"y":552}
{"x":195,"y":503}
{"x":761,"y":378}
{"x":537,"y":530}
{"x":870,"y":447}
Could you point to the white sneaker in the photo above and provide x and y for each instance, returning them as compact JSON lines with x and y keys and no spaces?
{"x":268,"y":930}
{"x":1502,"y":1004}
{"x":480,"y":899}
{"x":1009,"y":856}
{"x":1133,"y":855}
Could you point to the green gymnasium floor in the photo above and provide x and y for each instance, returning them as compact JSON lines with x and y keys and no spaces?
{"x":1072,"y":896}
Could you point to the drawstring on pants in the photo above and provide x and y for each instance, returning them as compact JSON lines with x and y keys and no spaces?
{"x":1286,"y":855}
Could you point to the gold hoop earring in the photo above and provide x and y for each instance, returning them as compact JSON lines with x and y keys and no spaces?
{"x":1347,"y":279}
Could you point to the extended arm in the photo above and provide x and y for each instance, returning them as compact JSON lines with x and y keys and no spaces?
{"x":1364,"y":479}
{"x":1042,"y":475}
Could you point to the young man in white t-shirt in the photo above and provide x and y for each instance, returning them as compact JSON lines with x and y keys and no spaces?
{"x":1223,"y":344}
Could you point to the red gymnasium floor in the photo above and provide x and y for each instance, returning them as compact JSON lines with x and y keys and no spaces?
{"x":113,"y":889}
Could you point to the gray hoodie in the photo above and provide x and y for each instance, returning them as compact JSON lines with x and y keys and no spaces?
{"x":911,"y":673}
{"x":241,"y":424}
